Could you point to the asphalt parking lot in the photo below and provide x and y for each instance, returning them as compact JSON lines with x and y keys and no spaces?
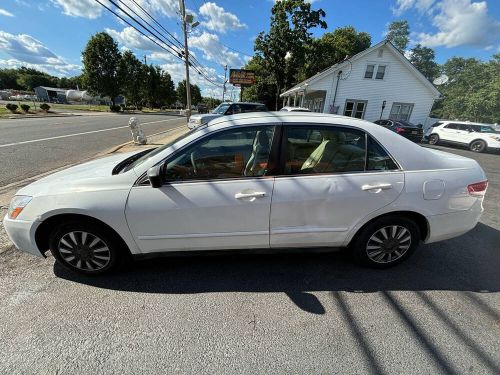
{"x":287,"y":313}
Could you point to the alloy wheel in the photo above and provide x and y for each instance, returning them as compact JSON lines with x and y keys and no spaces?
{"x":84,"y":251}
{"x":388,"y":244}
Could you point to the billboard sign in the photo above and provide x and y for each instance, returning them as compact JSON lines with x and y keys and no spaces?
{"x":241,"y":77}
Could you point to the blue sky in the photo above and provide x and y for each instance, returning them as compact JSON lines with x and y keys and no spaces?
{"x":50,"y":34}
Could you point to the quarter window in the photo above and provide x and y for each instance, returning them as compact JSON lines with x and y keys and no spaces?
{"x":401,"y":111}
{"x":234,"y":153}
{"x":312,"y":149}
{"x":378,"y":158}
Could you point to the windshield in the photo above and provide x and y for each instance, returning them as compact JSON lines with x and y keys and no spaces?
{"x":156,"y":151}
{"x":221,"y":109}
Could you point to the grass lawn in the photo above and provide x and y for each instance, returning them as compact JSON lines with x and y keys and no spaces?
{"x":80,"y":107}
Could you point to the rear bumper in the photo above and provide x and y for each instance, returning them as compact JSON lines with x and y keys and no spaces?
{"x":446,"y":226}
{"x":22,"y":234}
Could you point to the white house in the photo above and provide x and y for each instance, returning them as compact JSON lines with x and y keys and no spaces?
{"x":378,"y":82}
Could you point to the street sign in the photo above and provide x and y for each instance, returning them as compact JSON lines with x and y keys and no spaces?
{"x":241,"y":77}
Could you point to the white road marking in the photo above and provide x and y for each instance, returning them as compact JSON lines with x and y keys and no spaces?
{"x":78,"y":134}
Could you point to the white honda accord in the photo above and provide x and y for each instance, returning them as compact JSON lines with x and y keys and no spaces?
{"x":255,"y":180}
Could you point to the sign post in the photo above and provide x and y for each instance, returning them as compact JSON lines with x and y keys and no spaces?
{"x":241,"y":78}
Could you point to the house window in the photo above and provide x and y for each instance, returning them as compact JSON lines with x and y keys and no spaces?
{"x":380,"y":72}
{"x":355,"y":108}
{"x":318,"y":105}
{"x":369,"y":71}
{"x":401,"y":111}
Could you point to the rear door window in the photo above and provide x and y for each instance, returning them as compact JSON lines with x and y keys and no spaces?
{"x":378,"y":159}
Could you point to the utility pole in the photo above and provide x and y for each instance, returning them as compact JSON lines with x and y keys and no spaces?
{"x":145,"y":60}
{"x":224,"y":89}
{"x":186,"y":58}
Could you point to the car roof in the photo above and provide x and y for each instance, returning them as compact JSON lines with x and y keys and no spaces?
{"x":463,"y":122}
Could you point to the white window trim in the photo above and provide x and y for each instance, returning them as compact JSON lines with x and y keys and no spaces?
{"x":376,"y":64}
{"x":401,"y":104}
{"x":356,"y":101}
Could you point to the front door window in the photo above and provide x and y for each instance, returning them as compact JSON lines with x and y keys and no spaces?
{"x":235,"y":153}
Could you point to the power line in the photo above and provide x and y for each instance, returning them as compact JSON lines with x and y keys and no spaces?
{"x":176,"y":54}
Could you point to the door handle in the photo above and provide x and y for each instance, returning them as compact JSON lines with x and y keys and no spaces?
{"x":256,"y":194}
{"x":376,"y":187}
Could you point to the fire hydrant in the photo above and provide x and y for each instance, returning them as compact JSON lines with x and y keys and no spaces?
{"x":138,"y":135}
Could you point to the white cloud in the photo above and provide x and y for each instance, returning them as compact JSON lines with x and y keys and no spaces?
{"x":30,"y":52}
{"x":80,"y":8}
{"x":217,"y":19}
{"x":213,"y":50}
{"x":5,"y":13}
{"x":461,"y":22}
{"x":132,"y":39}
{"x":404,"y":5}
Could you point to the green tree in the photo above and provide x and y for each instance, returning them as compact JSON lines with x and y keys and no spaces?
{"x":195,"y":93}
{"x":283,"y":48}
{"x":264,"y":89}
{"x":398,"y":33}
{"x":422,"y":58}
{"x":473,"y":91}
{"x":131,"y":73}
{"x":167,"y":93}
{"x":332,"y":48}
{"x":28,"y":79}
{"x":8,"y":79}
{"x":101,"y":59}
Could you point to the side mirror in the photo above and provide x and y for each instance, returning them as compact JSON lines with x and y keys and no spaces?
{"x":155,"y":176}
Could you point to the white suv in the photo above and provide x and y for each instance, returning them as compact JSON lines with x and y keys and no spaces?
{"x":477,"y":137}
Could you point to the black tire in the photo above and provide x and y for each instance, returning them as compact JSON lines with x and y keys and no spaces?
{"x":91,"y":257}
{"x":433,"y":139}
{"x":363,"y":245}
{"x":478,"y":146}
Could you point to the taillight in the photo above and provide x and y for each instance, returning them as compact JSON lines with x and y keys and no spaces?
{"x":400,"y":130}
{"x":478,"y":189}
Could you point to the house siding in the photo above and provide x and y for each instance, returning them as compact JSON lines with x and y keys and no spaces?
{"x":400,"y":84}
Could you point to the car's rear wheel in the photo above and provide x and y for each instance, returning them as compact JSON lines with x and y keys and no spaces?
{"x":84,"y":248}
{"x":478,"y":146}
{"x":433,"y":139}
{"x":386,"y":241}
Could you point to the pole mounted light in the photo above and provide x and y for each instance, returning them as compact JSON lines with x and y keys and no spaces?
{"x":383,"y":107}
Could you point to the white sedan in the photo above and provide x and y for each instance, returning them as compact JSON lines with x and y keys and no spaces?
{"x":255,"y":180}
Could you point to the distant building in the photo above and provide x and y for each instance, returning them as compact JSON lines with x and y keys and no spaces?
{"x":51,"y":94}
{"x":378,"y":82}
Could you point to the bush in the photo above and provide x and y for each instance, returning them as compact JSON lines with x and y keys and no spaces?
{"x":115,"y":108}
{"x":11,"y":107}
{"x":25,"y":107}
{"x":139,"y":107}
{"x":44,"y":107}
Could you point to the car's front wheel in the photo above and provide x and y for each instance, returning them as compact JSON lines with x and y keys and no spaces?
{"x":85,"y":248}
{"x":478,"y":146}
{"x":386,"y":241}
{"x":433,"y":139}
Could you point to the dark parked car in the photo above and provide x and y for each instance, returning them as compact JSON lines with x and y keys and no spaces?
{"x":406,"y":129}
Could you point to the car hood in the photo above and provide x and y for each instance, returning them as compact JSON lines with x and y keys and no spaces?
{"x":95,"y":174}
{"x":205,"y":117}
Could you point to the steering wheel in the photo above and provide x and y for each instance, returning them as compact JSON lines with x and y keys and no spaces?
{"x":193,"y":163}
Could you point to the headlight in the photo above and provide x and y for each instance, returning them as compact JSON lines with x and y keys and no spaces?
{"x":196,"y":121}
{"x":17,"y":204}
{"x":495,"y":138}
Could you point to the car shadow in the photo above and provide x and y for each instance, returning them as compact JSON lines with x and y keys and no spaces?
{"x":458,"y":264}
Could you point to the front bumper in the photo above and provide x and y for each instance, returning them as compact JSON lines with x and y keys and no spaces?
{"x":446,"y":226}
{"x":22,"y":234}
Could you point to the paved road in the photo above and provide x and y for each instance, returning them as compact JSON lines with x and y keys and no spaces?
{"x":438,"y":313}
{"x":29,"y":147}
